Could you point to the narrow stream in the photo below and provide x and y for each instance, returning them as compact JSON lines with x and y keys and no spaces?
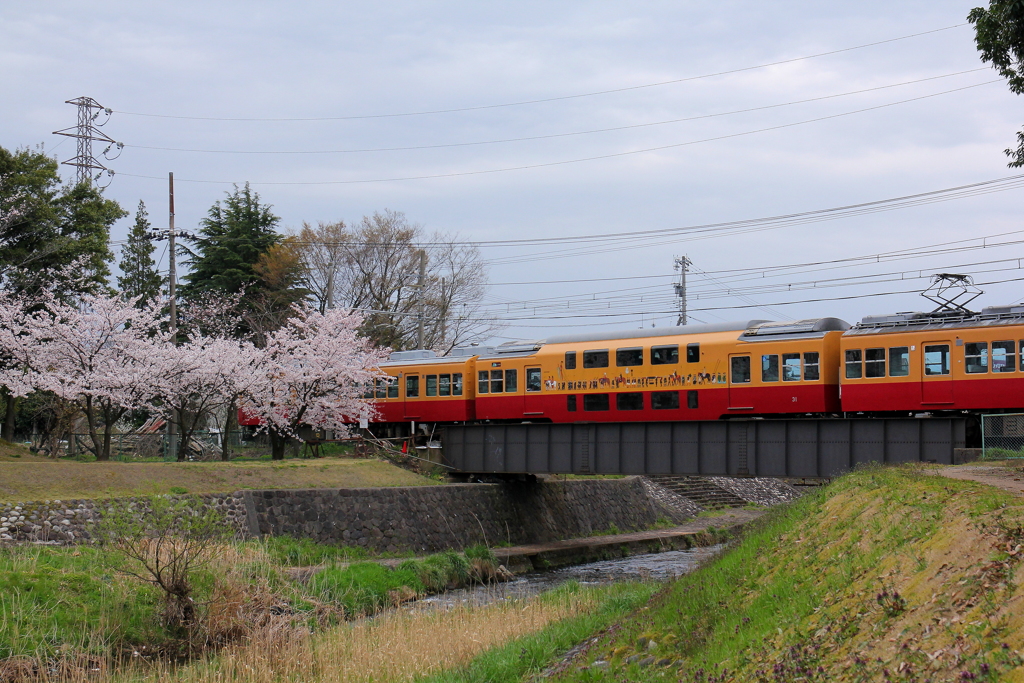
{"x":656,"y":566}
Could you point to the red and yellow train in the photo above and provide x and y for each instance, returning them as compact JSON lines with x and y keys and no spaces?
{"x":900,"y":364}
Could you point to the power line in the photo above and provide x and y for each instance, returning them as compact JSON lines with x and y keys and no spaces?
{"x":520,"y":103}
{"x":564,"y":162}
{"x":558,"y":135}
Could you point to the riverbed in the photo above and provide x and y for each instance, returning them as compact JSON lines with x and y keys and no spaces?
{"x":651,"y":567}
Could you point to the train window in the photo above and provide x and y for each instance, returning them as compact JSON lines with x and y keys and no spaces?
{"x":693,"y":353}
{"x":1003,"y":359}
{"x":691,"y":399}
{"x":595,"y":359}
{"x":484,"y":385}
{"x":791,"y":367}
{"x":570,"y":360}
{"x":664,"y":355}
{"x":633,"y":400}
{"x":457,"y":384}
{"x":570,"y":403}
{"x":874,"y":363}
{"x":533,"y":379}
{"x":392,"y":387}
{"x":367,"y":391}
{"x":811,"y":367}
{"x":664,"y":400}
{"x":431,"y":385}
{"x":444,"y":385}
{"x":511,"y":381}
{"x":936,"y":359}
{"x":381,"y":388}
{"x":899,"y":361}
{"x":595,"y":401}
{"x":770,"y":367}
{"x":625,"y":358}
{"x":740,"y":366}
{"x":976,"y":357}
{"x":497,"y":381}
{"x":412,"y":386}
{"x":854,"y":370}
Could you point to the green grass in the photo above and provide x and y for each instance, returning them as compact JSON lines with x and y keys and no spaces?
{"x":58,"y":599}
{"x":364,"y":587}
{"x":303,"y":552}
{"x":530,"y":654}
{"x":805,"y":575}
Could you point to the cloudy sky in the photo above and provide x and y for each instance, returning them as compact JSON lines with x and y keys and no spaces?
{"x":535,"y":120}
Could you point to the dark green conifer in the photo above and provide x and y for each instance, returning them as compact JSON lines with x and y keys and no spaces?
{"x":139,"y":274}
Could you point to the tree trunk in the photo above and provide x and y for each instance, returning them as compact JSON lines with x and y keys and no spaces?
{"x":90,"y":418}
{"x":230,"y":421}
{"x":277,"y":445}
{"x":10,"y":413}
{"x":178,"y":416}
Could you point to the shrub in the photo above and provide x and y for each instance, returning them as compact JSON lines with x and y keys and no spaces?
{"x":163,"y":542}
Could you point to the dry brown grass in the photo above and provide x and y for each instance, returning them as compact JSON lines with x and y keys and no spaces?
{"x":396,"y":646}
{"x":34,"y":478}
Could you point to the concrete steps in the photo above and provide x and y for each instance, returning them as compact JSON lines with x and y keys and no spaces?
{"x":701,"y":491}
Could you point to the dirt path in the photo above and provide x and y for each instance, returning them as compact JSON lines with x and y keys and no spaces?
{"x":1007,"y":477}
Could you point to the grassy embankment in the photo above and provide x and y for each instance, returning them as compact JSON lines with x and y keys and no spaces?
{"x":33,"y":478}
{"x":887,"y":574}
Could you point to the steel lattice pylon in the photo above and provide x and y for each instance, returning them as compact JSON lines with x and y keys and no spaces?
{"x":85,"y":133}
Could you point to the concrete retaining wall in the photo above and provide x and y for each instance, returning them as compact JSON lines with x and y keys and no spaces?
{"x":421,"y":518}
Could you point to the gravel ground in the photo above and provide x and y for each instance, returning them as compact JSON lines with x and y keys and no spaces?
{"x":759,"y":490}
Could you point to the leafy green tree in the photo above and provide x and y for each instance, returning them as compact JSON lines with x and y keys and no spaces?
{"x":999,"y":36}
{"x":232,"y":238}
{"x":58,"y":237}
{"x":139,"y":274}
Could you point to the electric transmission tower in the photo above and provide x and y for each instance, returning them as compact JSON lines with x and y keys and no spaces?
{"x":86,"y":132}
{"x":681,"y":264}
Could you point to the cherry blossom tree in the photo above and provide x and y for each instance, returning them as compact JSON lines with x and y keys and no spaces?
{"x":101,"y":354}
{"x":312,"y":372}
{"x":208,"y":375}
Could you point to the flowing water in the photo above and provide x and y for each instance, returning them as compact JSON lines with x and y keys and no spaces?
{"x":656,"y":566}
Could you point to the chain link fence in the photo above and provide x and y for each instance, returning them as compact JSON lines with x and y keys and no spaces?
{"x":1002,"y":436}
{"x":155,"y":447}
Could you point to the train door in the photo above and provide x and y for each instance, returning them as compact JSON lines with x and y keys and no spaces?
{"x":532,"y":396}
{"x":411,"y":409}
{"x":936,"y":374}
{"x":740,"y":397}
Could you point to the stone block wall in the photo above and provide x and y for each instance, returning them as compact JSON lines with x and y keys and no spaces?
{"x":69,"y":521}
{"x":434,"y":518}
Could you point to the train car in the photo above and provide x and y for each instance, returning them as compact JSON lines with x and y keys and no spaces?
{"x":424,"y":388}
{"x":697,"y":372}
{"x":935,"y":362}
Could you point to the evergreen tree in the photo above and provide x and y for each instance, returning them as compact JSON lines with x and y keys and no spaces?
{"x":59,"y":226}
{"x":232,"y":238}
{"x":139,"y":275}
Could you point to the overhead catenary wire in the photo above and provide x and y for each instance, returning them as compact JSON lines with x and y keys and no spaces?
{"x":555,"y":135}
{"x":564,"y":162}
{"x":594,"y":93}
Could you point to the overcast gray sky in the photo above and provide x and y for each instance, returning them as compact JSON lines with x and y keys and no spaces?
{"x":207,"y":62}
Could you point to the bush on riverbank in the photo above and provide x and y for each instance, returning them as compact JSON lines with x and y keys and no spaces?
{"x":62,"y":602}
{"x":887,"y":574}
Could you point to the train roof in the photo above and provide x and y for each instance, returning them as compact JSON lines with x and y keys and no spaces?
{"x":683,"y":330}
{"x":810,"y":328}
{"x":990,"y":316}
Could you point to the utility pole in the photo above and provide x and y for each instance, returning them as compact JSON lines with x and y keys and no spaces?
{"x":681,"y":264}
{"x":86,"y":132}
{"x":172,"y":284}
{"x":420,"y":285}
